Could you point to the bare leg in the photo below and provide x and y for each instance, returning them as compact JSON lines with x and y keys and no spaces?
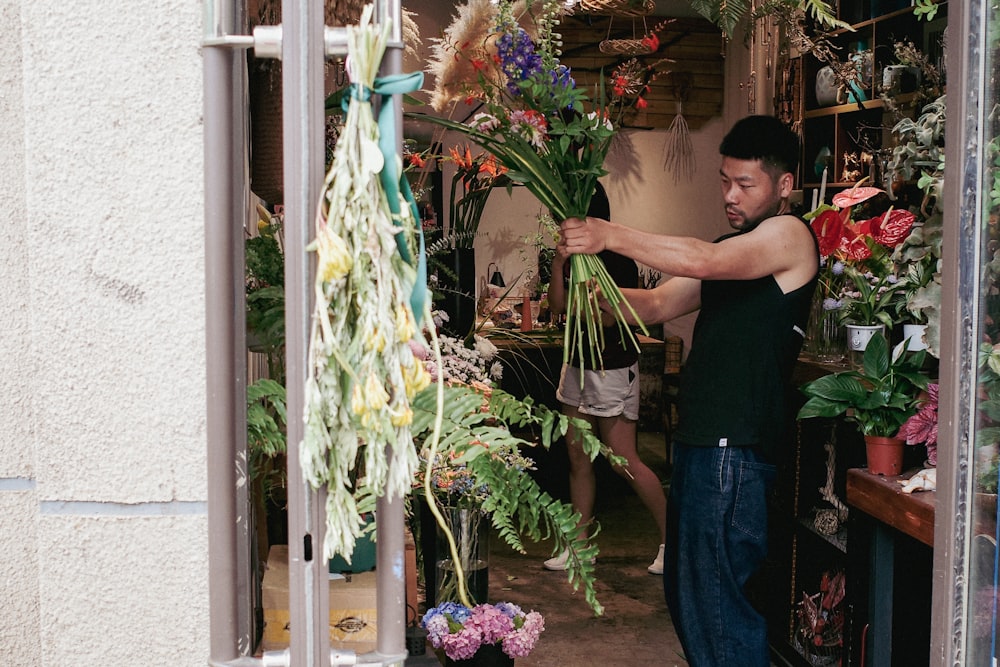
{"x":619,"y":434}
{"x":582,"y":482}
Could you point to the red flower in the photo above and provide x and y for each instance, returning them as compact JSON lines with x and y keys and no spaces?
{"x":857,"y":248}
{"x":828,"y":227}
{"x":478,"y":64}
{"x":651,"y":42}
{"x":891,"y":228}
{"x":418,"y":161}
{"x":641,"y":103}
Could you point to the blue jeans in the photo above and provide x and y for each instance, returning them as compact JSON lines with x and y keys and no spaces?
{"x":716,"y":539}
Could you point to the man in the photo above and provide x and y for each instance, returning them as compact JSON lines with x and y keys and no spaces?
{"x":753,"y":288}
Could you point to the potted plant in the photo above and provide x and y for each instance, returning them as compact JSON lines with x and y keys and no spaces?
{"x":919,"y":154}
{"x":879,"y":397}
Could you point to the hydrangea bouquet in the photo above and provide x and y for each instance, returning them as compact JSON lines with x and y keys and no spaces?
{"x":462,"y":631}
{"x":543,"y":129}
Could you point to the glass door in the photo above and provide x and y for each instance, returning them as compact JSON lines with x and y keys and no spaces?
{"x":966,"y":622}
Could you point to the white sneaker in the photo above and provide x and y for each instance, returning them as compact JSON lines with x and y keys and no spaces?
{"x":657,"y":565}
{"x":561,"y":562}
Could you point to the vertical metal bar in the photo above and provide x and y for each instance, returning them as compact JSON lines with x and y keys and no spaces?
{"x":390,"y":598}
{"x":302,"y":88}
{"x":226,"y":198}
{"x":961,"y":324}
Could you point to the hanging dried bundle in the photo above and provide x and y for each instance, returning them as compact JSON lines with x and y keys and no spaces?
{"x":678,"y":152}
{"x":362,"y":372}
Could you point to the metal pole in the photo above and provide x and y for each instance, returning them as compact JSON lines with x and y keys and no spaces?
{"x":226,"y":198}
{"x":389,"y":563}
{"x":303,"y":108}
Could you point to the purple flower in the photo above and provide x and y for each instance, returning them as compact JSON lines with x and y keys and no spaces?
{"x":461,"y":631}
{"x":462,"y":645}
{"x":518,"y":59}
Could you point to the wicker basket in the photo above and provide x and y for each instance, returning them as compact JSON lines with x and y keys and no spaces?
{"x":624,"y":47}
{"x":628,"y":8}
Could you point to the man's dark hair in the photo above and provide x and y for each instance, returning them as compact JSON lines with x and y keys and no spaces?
{"x":763,"y":138}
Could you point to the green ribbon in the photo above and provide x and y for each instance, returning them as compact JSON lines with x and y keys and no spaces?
{"x":395,"y":183}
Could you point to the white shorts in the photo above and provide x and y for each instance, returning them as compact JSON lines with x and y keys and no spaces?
{"x":607,"y":393}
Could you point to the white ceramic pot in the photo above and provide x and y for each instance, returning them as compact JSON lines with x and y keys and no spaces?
{"x":858,"y":335}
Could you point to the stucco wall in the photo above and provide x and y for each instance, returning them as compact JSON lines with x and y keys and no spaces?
{"x":102,"y":456}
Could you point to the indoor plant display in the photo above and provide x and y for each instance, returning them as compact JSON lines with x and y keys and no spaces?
{"x":879,"y":397}
{"x":862,"y":259}
{"x":501,"y":628}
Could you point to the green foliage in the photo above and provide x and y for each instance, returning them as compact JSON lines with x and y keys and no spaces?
{"x":266,"y":428}
{"x":476,"y":434}
{"x":925,"y":9}
{"x":265,"y":288}
{"x":878,"y":398}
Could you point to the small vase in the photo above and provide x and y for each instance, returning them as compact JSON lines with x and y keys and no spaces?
{"x":825,"y":335}
{"x":885,"y":455}
{"x":470,"y":528}
{"x":488,"y":655}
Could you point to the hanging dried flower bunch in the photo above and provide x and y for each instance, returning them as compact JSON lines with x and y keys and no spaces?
{"x":678,"y":152}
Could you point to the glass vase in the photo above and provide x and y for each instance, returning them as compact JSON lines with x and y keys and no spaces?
{"x":470,"y":528}
{"x":825,"y":338}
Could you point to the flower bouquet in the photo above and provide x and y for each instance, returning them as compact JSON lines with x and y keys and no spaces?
{"x":540,"y":126}
{"x":462,"y":632}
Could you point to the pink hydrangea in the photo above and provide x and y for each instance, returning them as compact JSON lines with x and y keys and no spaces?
{"x":491,"y":623}
{"x":463,"y":644}
{"x":461,"y":631}
{"x":520,"y":643}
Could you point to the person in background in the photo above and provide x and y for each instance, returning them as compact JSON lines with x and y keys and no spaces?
{"x":609,"y":400}
{"x":753,"y":287}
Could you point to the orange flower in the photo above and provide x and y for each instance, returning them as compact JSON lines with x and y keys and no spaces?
{"x":418,"y":161}
{"x":491,"y":167}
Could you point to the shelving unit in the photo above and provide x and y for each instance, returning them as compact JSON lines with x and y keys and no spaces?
{"x":860,"y":122}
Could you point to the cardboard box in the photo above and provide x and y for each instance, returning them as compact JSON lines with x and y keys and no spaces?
{"x":353,"y":623}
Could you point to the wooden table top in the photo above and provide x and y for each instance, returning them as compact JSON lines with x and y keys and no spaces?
{"x":882,"y":498}
{"x":548,"y":338}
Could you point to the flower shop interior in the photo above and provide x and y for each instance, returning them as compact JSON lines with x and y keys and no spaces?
{"x":857,"y":566}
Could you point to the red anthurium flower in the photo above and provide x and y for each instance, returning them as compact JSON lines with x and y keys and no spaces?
{"x":891,"y":228}
{"x":857,"y":248}
{"x":829,"y":229}
{"x":855,"y":195}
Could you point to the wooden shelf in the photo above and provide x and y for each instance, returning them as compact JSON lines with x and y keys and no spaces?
{"x":842,"y":108}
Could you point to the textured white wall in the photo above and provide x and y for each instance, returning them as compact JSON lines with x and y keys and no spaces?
{"x":102,"y":456}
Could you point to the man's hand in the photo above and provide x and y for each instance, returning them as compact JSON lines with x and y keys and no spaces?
{"x":584,"y":236}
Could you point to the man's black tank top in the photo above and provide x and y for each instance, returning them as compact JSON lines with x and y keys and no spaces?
{"x":745,"y":344}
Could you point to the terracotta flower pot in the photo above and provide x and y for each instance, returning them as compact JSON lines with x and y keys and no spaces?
{"x":885,"y":455}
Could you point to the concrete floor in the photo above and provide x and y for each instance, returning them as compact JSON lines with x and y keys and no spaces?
{"x":635,"y":628}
